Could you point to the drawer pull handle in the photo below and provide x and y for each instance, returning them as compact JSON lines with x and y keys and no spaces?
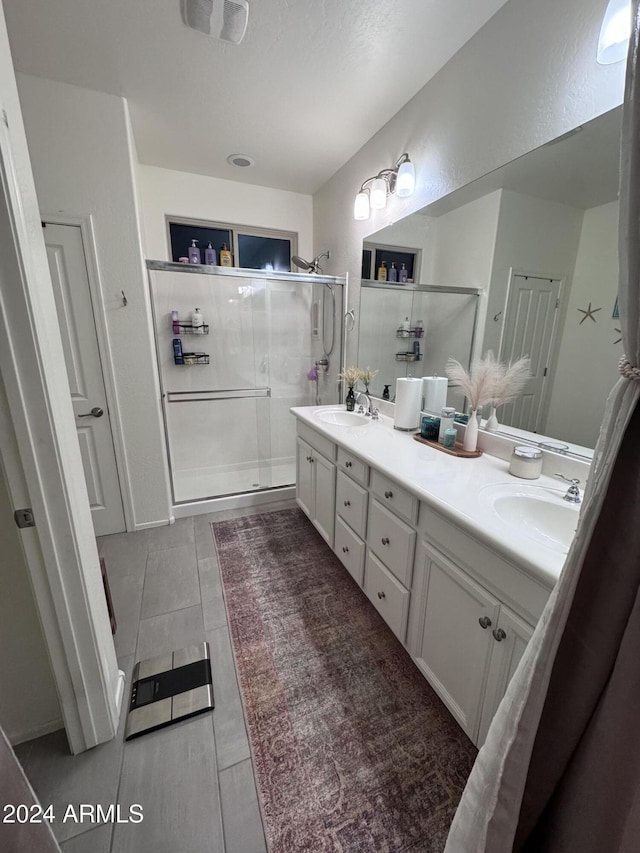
{"x":348,"y":464}
{"x":347,"y":503}
{"x":385,"y":540}
{"x":499,"y":635}
{"x":381,"y":595}
{"x":345,"y":550}
{"x":485,"y":622}
{"x":388,"y":494}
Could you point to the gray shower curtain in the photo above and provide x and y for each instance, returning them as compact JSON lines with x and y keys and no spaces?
{"x":560,"y":769}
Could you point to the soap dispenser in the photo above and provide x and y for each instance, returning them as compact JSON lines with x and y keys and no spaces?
{"x":210,"y":255}
{"x":194,"y":253}
{"x":225,"y":256}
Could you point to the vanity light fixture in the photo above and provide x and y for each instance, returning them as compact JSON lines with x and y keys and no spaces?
{"x":401,"y":180}
{"x":615,"y":32}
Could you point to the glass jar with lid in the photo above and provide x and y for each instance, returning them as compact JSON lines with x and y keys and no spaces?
{"x":526,"y":462}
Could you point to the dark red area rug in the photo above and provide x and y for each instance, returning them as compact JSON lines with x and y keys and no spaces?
{"x":353,"y":751}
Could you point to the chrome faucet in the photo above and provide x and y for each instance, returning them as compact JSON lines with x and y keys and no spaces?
{"x":367,"y":414}
{"x":573,"y":492}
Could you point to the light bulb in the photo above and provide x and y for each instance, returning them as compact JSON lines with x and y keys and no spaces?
{"x":378,"y":193}
{"x":361,"y":206}
{"x":614,"y":33}
{"x":406,"y":180}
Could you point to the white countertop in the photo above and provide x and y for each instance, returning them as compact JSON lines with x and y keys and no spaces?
{"x":456,"y":487}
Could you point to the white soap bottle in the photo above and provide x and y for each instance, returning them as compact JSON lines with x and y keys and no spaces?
{"x":196,"y":322}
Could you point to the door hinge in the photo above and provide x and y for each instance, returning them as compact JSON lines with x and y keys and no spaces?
{"x":545,"y":371}
{"x":24,"y":517}
{"x":557,"y":303}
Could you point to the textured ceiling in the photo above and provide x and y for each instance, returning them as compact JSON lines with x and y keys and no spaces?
{"x":310,"y":83}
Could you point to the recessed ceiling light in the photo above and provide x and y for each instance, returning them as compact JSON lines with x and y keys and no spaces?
{"x":240,"y":160}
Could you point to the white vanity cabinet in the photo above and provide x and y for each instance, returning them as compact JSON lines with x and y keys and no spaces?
{"x":468,"y":629}
{"x":316,"y":480}
{"x":464,"y":610}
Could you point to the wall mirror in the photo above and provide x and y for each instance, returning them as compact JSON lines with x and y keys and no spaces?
{"x":537,"y":239}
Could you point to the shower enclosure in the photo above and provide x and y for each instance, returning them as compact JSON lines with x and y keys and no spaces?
{"x":227,"y":385}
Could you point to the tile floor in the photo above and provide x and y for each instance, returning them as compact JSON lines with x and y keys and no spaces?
{"x":194,"y":780}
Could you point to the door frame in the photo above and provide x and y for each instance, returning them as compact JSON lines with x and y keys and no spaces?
{"x":554,"y":341}
{"x":41,"y":456}
{"x":98,"y":309}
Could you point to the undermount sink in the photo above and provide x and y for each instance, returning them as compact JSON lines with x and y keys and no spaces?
{"x":538,"y":512}
{"x":340,"y":417}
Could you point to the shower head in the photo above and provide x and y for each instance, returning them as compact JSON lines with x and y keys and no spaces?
{"x":310,"y":266}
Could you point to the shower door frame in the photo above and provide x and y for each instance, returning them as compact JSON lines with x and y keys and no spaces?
{"x":203,"y":505}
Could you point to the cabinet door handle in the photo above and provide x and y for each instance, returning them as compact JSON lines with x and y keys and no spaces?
{"x":388,"y":494}
{"x":348,"y":464}
{"x":385,"y":540}
{"x":499,"y":635}
{"x":345,"y":550}
{"x":381,"y":595}
{"x":485,"y":622}
{"x":347,"y":503}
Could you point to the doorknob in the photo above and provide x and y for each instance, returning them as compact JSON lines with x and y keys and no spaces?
{"x":96,"y":412}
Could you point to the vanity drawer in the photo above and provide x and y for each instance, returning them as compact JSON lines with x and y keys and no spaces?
{"x":394,"y":496}
{"x":387,"y":595}
{"x":354,"y":467}
{"x":351,"y":503}
{"x":323,"y":445}
{"x":392,"y":541}
{"x":350,"y":550}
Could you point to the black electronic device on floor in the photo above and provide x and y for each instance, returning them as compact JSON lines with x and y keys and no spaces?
{"x":169,"y":688}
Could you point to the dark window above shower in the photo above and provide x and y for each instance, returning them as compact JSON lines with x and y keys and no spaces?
{"x":251,"y":248}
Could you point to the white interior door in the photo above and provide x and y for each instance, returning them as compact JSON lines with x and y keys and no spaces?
{"x":532,"y":308}
{"x":65,"y":252}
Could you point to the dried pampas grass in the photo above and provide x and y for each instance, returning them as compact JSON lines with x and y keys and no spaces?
{"x":509,"y":379}
{"x":477,"y":384}
{"x":489,"y":381}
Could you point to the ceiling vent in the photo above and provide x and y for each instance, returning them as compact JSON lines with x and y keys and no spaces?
{"x":220,"y":19}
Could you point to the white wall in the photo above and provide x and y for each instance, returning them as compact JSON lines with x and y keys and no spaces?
{"x":528,"y":76}
{"x":29,"y":704}
{"x":164,"y":191}
{"x":588,"y":359}
{"x":79,"y":145}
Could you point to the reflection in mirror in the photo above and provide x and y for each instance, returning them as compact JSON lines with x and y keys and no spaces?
{"x":538,"y":238}
{"x":410,"y":331}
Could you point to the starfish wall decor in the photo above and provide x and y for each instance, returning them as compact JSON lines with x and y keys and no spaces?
{"x":588,"y":312}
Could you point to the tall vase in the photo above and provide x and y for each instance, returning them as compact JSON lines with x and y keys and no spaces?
{"x":492,"y":422}
{"x":470,"y":441}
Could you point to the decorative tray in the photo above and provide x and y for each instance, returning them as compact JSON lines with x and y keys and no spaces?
{"x":458,"y":450}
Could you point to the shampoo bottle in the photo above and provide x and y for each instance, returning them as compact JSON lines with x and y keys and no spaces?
{"x":175,"y":321}
{"x":393,"y":272}
{"x":178,"y":357}
{"x":210,"y":255}
{"x":402,"y":275}
{"x":382,"y":271}
{"x":194,"y":253}
{"x":196,"y":321}
{"x":225,"y":256}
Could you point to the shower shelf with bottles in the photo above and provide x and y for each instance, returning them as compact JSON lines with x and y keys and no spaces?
{"x":416,"y":332}
{"x":191,"y":358}
{"x":408,"y":356}
{"x":190,"y":329}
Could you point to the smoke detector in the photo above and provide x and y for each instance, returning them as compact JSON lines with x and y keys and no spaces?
{"x":242,"y":161}
{"x":221,"y":19}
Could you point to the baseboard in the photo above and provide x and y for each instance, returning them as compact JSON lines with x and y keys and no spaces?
{"x":38,"y":731}
{"x":163,"y":523}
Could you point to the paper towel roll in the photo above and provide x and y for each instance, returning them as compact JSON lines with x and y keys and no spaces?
{"x":408,"y":401}
{"x":434,"y":390}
